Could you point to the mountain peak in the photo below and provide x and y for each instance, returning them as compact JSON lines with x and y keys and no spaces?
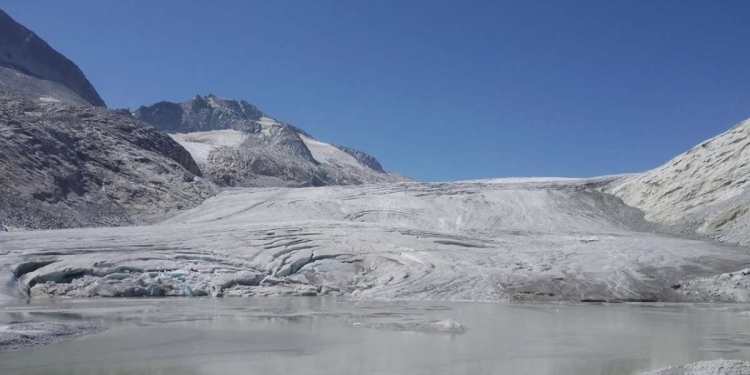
{"x":202,"y":113}
{"x":43,"y":72}
{"x":237,"y":144}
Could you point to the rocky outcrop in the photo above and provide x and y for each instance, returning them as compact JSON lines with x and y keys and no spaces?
{"x":717,"y":367}
{"x":66,"y":166}
{"x":239,"y":145}
{"x":17,"y":84}
{"x":37,"y":70}
{"x":32,"y":334}
{"x":202,"y":113}
{"x":727,"y":287}
{"x":706,"y":190}
{"x":363,"y":158}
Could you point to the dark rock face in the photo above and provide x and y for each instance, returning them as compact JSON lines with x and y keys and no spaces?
{"x":66,"y":166}
{"x":363,"y":158}
{"x":164,"y":116}
{"x":270,"y":153}
{"x":201,"y":114}
{"x":24,"y":52}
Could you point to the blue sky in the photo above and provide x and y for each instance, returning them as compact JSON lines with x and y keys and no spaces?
{"x":438,"y":90}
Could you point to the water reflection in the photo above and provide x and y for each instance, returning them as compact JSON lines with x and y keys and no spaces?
{"x":326,"y":336}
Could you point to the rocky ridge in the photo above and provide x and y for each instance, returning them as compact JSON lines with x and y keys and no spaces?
{"x":31,"y":69}
{"x":65,"y":166}
{"x":237,"y":144}
{"x":705,"y":190}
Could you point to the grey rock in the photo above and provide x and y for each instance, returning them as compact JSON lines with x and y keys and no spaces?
{"x":31,"y":334}
{"x":66,"y":166}
{"x":727,"y":287}
{"x":202,"y":113}
{"x":363,"y":158}
{"x":704,"y":191}
{"x":16,"y":84}
{"x":40,"y":70}
{"x":717,"y":367}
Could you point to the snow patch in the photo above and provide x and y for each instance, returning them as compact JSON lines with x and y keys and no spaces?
{"x":200,"y":144}
{"x":328,"y":154}
{"x":199,"y":151}
{"x":268,"y":121}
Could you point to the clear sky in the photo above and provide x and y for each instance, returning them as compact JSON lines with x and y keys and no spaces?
{"x":437,"y":90}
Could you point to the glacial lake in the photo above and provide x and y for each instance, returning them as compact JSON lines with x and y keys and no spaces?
{"x":328,"y":336}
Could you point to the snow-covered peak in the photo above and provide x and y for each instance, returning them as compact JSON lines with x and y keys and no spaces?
{"x":261,"y":147}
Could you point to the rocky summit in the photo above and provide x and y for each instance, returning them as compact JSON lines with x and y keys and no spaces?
{"x":237,"y":144}
{"x":31,"y":69}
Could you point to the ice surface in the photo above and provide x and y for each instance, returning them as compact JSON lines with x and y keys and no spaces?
{"x":561,"y":240}
{"x":200,"y":144}
{"x":329,"y":154}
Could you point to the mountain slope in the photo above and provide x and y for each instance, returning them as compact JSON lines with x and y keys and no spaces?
{"x":65,"y":166}
{"x":31,"y":69}
{"x":704,"y":190}
{"x":239,"y":145}
{"x":16,"y":84}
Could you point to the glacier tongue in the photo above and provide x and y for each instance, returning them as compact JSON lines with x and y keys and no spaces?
{"x":516,"y":240}
{"x":238,"y":145}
